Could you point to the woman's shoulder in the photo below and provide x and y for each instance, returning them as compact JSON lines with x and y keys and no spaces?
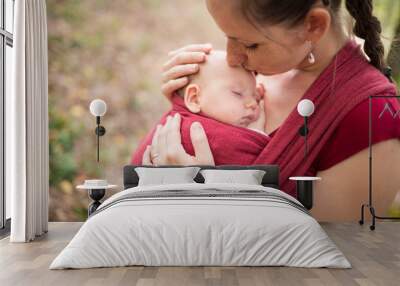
{"x":352,"y":134}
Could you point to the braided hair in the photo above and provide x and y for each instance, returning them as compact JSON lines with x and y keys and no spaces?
{"x":369,"y":28}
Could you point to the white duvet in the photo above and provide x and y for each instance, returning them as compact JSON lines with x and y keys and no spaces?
{"x":183,"y":231}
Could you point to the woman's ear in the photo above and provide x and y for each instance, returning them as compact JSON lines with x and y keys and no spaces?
{"x":191,"y":98}
{"x":317,"y":24}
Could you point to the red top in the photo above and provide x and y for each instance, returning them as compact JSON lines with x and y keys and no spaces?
{"x":352,"y":134}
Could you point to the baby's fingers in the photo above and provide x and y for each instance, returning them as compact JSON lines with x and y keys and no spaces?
{"x":260,"y":91}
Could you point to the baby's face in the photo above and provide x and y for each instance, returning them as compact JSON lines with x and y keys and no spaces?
{"x":227,"y":94}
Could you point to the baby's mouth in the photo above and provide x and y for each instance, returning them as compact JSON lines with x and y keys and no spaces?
{"x":246,"y":120}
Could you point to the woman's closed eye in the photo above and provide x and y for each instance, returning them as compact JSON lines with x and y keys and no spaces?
{"x":251,"y":47}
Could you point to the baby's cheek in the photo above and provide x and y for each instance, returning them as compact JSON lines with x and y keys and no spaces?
{"x":233,"y":114}
{"x":224,"y":113}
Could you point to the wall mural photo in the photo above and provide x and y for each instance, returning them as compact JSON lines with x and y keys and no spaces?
{"x":238,"y":105}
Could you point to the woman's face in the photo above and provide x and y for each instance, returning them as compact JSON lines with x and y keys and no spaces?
{"x":266,"y":49}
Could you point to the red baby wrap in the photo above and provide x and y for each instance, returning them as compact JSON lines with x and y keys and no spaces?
{"x":354,"y":81}
{"x":229,"y":144}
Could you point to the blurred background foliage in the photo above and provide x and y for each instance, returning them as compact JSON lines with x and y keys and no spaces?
{"x":114,"y":50}
{"x":388,"y":12}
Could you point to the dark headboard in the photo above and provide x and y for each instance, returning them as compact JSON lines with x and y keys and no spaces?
{"x":270,"y":179}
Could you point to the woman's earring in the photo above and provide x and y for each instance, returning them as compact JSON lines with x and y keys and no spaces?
{"x":311,"y":57}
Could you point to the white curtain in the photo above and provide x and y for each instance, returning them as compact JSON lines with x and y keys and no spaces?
{"x":27,"y":124}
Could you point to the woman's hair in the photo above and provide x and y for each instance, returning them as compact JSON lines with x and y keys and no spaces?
{"x":292,"y":12}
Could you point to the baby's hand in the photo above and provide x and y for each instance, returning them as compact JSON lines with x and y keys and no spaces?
{"x":259,"y":124}
{"x":260,"y":91}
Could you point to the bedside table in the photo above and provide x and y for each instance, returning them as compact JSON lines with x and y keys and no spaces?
{"x":96,"y":192}
{"x":304,"y":188}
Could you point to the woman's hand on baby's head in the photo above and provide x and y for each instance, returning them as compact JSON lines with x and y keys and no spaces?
{"x":205,"y":48}
{"x":182,"y":63}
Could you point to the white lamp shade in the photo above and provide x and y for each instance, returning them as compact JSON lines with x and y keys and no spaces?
{"x":98,"y":107}
{"x":305,"y":107}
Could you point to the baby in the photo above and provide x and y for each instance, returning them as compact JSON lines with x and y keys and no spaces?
{"x":224,"y":93}
{"x":226,"y":102}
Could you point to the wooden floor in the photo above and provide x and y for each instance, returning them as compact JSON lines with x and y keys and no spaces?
{"x":375,"y":257}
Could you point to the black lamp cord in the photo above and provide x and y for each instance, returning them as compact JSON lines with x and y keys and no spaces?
{"x":305,"y":138}
{"x":98,"y":137}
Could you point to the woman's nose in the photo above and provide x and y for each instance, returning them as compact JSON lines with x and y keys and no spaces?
{"x":236,"y":56}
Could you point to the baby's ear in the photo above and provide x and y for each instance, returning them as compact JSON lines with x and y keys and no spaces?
{"x":191,"y":97}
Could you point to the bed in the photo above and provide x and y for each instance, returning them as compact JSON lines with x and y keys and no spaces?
{"x":201,"y":224}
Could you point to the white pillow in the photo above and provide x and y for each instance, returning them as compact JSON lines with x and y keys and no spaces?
{"x":162,"y":176}
{"x":248,"y":177}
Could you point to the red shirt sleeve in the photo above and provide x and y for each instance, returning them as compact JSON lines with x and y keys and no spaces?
{"x":352,"y":134}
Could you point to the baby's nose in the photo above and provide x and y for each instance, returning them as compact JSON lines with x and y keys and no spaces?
{"x":251,"y":104}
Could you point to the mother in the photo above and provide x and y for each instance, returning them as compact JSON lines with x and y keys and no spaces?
{"x":303,"y":51}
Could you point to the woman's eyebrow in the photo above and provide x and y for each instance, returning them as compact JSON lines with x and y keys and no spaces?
{"x":258,"y":41}
{"x":236,"y":39}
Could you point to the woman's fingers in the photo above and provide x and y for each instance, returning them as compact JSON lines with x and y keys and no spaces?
{"x":166,"y":144}
{"x":175,"y":151}
{"x":201,"y":147}
{"x":171,"y":86}
{"x":167,"y":149}
{"x":179,"y":71}
{"x":174,"y":135}
{"x":182,"y":63}
{"x":206,"y":48}
{"x":162,"y":142}
{"x":154,"y":152}
{"x":184,"y":58}
{"x":173,"y":147}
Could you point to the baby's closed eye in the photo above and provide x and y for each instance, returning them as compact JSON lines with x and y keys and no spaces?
{"x":237,"y":93}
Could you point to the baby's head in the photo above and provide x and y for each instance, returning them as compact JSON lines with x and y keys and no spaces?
{"x":227,"y":94}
